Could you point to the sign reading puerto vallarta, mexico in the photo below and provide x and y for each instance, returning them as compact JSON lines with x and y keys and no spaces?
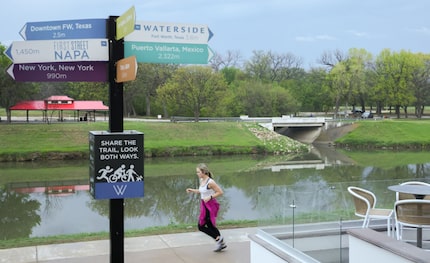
{"x":155,"y":42}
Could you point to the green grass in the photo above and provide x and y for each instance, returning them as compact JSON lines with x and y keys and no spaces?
{"x":36,"y":141}
{"x":42,"y":141}
{"x":391,"y":134}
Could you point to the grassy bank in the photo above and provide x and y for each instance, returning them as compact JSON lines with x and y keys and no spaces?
{"x":388,"y":134}
{"x":23,"y":142}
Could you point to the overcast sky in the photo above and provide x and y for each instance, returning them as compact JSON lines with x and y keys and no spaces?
{"x":305,"y":28}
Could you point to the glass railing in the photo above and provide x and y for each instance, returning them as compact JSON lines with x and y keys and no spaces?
{"x":314,"y":217}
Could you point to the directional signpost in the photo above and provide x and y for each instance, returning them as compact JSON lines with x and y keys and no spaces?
{"x":117,"y":28}
{"x":169,"y":43}
{"x":94,"y":50}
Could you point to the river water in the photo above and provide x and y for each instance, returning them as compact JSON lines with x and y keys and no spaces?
{"x":52,"y":198}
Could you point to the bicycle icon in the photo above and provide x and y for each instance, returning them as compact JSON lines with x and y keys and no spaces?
{"x":119,"y":175}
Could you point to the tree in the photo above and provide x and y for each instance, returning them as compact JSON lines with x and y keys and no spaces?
{"x":347,"y":78}
{"x":232,"y":74}
{"x":11,"y":91}
{"x":331,"y":58}
{"x":357,"y":67}
{"x":272,"y":67}
{"x":232,"y":58}
{"x":338,"y":85}
{"x":88,"y":91}
{"x":309,"y":90}
{"x":394,"y":78}
{"x":258,"y":99}
{"x":421,"y":84}
{"x":149,"y":78}
{"x":193,"y":90}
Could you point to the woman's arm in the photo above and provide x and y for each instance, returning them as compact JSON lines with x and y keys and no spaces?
{"x":218,"y":191}
{"x":192,"y":190}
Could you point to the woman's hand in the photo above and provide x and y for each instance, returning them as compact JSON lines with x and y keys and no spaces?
{"x":191,"y":190}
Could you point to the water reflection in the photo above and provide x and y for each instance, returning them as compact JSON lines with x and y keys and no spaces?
{"x":18,"y":214}
{"x":52,"y":198}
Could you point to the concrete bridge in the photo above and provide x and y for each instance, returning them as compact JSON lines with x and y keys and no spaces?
{"x":303,"y":129}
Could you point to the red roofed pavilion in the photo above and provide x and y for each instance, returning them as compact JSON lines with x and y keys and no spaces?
{"x":62,"y":103}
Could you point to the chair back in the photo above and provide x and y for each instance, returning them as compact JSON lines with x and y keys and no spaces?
{"x":404,"y":196}
{"x":413,"y":212}
{"x":363,"y":199}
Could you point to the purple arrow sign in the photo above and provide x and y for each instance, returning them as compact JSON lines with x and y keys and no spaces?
{"x":89,"y":71}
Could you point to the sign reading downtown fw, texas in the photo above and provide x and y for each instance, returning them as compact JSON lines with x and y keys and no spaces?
{"x":116,"y":164}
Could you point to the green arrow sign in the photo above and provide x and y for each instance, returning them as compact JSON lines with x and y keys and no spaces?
{"x":168,"y":53}
{"x":125,"y":23}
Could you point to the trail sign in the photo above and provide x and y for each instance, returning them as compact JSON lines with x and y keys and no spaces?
{"x":116,"y":164}
{"x":126,"y":69}
{"x":168,"y":53}
{"x":125,"y":23}
{"x":90,"y":71}
{"x":69,"y":50}
{"x":64,"y":29}
{"x":145,"y":31}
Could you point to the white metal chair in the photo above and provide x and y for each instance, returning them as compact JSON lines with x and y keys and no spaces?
{"x":411,"y":213}
{"x":404,"y":196}
{"x":365,"y":202}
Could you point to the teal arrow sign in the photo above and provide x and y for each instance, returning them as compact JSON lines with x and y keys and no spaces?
{"x":168,"y":53}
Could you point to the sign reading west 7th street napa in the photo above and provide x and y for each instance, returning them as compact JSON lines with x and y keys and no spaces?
{"x":64,"y":29}
{"x":40,"y":51}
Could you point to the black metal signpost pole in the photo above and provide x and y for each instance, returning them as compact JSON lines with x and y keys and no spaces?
{"x":116,"y":124}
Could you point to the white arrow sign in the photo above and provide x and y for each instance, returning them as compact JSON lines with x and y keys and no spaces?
{"x":170,"y":33}
{"x":69,"y":50}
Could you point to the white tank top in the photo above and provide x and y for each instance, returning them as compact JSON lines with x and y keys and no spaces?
{"x":204,"y":191}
